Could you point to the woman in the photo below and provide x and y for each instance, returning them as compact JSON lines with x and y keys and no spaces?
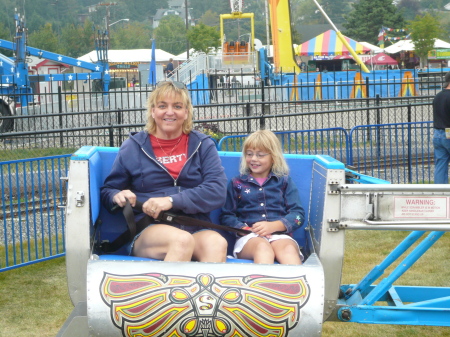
{"x":169,"y":166}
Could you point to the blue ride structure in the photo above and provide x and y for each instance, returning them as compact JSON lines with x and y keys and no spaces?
{"x":15,"y":82}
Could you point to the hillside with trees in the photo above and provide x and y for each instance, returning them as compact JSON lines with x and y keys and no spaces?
{"x":69,"y":26}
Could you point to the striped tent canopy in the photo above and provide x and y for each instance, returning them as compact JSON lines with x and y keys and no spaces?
{"x":327,"y":44}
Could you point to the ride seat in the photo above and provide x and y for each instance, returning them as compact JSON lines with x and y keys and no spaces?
{"x":109,"y":226}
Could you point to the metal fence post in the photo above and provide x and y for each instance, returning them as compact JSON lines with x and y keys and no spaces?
{"x":262,"y":120}
{"x":119,"y":121}
{"x":60,"y":111}
{"x":409,"y":146}
{"x":248,"y":112}
{"x":111,"y":135}
{"x":378,"y":119}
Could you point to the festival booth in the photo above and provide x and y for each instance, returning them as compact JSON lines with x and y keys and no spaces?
{"x":382,"y":61}
{"x":323,"y":48}
{"x":405,"y":50}
{"x":333,"y":74}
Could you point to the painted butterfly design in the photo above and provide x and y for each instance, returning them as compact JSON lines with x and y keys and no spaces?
{"x":178,"y":306}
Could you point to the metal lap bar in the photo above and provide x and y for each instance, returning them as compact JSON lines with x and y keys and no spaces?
{"x":394,"y":207}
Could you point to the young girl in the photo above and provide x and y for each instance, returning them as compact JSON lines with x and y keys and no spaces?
{"x":264,"y":199}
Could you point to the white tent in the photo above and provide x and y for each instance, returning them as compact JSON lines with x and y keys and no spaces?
{"x":183,"y":56}
{"x":372,"y":47}
{"x":408,"y":45}
{"x":130,"y":55}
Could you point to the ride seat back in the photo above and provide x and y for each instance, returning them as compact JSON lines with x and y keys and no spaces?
{"x":113,"y":225}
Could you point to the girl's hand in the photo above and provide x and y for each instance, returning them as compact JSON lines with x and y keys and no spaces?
{"x":266,"y":228}
{"x":263,"y":228}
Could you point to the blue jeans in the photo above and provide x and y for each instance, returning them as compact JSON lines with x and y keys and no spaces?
{"x":441,"y":156}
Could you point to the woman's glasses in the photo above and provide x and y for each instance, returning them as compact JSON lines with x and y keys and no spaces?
{"x":176,"y":84}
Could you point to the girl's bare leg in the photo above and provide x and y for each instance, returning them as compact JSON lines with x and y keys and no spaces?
{"x":286,"y":251}
{"x":259,"y":250}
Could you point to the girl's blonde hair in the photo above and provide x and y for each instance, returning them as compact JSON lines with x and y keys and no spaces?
{"x":266,"y":141}
{"x":162,"y":91}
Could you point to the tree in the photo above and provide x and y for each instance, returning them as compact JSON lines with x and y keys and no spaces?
{"x":77,"y":40}
{"x":409,"y":8}
{"x":170,"y":35}
{"x":335,"y":10}
{"x":131,"y":36}
{"x":204,"y":38}
{"x":5,"y":34}
{"x":201,"y":6}
{"x":45,"y":38}
{"x":210,"y":18}
{"x":424,"y":30}
{"x":364,"y":22}
{"x":307,"y":13}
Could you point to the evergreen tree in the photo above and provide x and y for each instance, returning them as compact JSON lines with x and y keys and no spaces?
{"x":364,"y":22}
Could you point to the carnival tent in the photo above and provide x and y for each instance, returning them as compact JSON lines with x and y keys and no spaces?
{"x":381,"y":59}
{"x":408,"y":45}
{"x":129,"y":55}
{"x":327,"y":44}
{"x":372,"y":47}
{"x":343,"y":57}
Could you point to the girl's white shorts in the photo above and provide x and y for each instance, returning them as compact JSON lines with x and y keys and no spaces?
{"x":240,"y":243}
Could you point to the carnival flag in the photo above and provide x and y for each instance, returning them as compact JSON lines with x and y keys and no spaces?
{"x":152,"y":70}
{"x":381,"y":38}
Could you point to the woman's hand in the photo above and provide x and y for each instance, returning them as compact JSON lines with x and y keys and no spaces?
{"x":120,"y":198}
{"x":154,"y":206}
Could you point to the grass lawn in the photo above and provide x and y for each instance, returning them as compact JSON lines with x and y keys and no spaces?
{"x":34,"y":299}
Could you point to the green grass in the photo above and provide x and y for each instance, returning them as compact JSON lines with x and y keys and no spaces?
{"x":34,"y":299}
{"x":7,"y":155}
{"x":31,"y":251}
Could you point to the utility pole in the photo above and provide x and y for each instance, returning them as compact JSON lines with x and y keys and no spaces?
{"x":187,"y":27}
{"x":108,"y":14}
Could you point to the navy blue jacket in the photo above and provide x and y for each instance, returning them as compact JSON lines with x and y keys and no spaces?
{"x":199,"y":188}
{"x":248,"y":202}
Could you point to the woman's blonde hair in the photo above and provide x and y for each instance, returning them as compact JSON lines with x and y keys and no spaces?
{"x":266,"y":141}
{"x":162,"y":91}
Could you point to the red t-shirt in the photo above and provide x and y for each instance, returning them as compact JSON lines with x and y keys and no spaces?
{"x":171,"y":153}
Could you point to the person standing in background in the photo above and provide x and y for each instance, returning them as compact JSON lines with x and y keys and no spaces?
{"x":169,"y":68}
{"x":441,"y":138}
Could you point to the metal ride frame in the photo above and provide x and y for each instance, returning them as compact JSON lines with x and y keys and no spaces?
{"x":15,"y":81}
{"x":416,"y":208}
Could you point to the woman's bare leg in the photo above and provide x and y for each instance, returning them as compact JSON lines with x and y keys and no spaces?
{"x":259,"y":250}
{"x":164,"y":242}
{"x":210,"y":246}
{"x":286,"y":251}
